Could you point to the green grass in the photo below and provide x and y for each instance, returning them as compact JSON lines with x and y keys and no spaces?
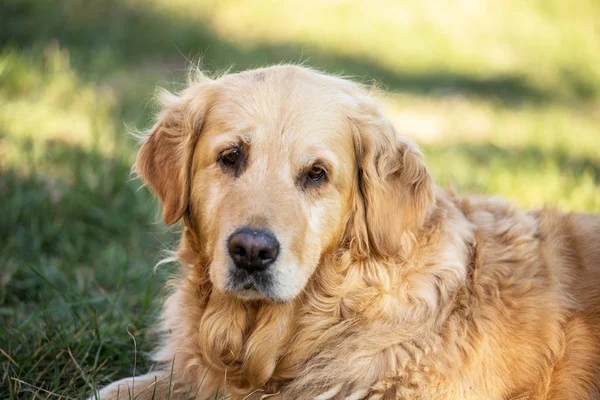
{"x":503,"y":96}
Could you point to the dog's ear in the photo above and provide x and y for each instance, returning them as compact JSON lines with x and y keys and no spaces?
{"x":165,"y":158}
{"x":395,"y":189}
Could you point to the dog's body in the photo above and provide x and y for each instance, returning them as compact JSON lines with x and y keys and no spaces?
{"x":379,"y":285}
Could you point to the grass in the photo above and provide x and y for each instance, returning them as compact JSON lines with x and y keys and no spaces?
{"x":504,"y":98}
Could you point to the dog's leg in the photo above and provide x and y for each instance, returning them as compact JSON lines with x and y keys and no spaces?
{"x":152,"y":386}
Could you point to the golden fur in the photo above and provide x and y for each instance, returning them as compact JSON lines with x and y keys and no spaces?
{"x":387,"y":288}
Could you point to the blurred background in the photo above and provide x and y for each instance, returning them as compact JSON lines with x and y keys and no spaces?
{"x":503,"y":96}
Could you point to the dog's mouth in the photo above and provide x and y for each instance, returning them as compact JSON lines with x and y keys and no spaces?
{"x":252,"y":286}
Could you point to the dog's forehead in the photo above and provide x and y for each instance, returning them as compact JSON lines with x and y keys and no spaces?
{"x":295,"y":109}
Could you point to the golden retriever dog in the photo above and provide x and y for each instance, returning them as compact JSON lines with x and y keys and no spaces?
{"x":319,"y":260}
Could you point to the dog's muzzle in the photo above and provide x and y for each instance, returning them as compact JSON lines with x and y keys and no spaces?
{"x":252,"y":252}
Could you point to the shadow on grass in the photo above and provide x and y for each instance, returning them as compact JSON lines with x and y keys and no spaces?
{"x":104,"y":35}
{"x":75,"y":195}
{"x":77,"y":256}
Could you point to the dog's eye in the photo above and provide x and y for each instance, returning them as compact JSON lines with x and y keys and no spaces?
{"x":230,"y":158}
{"x":316,"y":174}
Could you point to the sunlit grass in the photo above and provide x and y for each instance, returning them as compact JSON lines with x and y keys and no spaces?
{"x":552,"y":43}
{"x":503,"y":96}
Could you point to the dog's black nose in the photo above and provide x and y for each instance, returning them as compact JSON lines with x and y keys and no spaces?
{"x":253,"y":249}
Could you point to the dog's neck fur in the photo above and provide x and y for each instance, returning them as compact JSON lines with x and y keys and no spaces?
{"x":296,"y":345}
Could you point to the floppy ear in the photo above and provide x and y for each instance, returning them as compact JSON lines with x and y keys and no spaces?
{"x":164,"y":160}
{"x":395,"y":187}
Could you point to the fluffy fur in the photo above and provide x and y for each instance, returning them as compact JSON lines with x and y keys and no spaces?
{"x":387,"y":287}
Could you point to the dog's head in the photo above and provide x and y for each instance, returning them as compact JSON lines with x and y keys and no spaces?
{"x":274,"y":168}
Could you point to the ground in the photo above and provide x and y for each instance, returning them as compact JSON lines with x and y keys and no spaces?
{"x":503,"y":97}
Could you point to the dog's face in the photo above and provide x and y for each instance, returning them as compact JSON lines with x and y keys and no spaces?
{"x":271,"y":184}
{"x":276,"y":167}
